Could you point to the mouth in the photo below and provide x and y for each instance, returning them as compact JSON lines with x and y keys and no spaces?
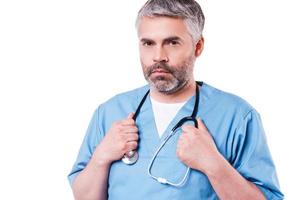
{"x":160,"y":71}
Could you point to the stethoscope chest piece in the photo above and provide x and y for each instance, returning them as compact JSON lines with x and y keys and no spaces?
{"x":130,"y":160}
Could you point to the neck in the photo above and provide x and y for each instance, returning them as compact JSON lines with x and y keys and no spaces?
{"x":179,"y":96}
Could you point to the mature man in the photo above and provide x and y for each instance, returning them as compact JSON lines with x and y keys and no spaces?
{"x":221,"y":155}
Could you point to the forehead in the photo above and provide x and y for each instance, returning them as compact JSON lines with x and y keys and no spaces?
{"x":162,"y":27}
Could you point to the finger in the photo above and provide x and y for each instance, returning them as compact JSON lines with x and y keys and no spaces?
{"x":130,"y":116}
{"x":180,"y":140}
{"x":126,"y":122}
{"x":129,"y":129}
{"x":183,"y":134}
{"x":131,"y":137}
{"x":187,"y":128}
{"x":131,"y":146}
{"x":201,"y":124}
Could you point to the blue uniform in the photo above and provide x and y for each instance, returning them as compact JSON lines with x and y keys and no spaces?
{"x":234,"y":125}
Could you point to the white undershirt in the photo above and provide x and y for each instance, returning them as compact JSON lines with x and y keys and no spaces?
{"x":164,"y":113}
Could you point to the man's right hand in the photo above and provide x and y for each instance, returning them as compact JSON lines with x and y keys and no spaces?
{"x":121,"y":138}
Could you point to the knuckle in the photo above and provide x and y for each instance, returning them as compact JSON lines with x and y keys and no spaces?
{"x":131,"y":121}
{"x":128,"y":122}
{"x":136,"y":136}
{"x":124,"y":147}
{"x":120,"y":137}
{"x":182,"y":138}
{"x":178,"y":153}
{"x":116,"y":123}
{"x":117,"y":127}
{"x":133,"y":145}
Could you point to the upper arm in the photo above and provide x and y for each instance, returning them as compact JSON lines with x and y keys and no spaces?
{"x":252,"y":158}
{"x":92,"y":138}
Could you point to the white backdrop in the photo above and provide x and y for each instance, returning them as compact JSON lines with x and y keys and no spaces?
{"x":60,"y":59}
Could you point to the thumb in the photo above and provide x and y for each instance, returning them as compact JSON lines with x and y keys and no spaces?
{"x":201,"y":125}
{"x":130,"y":116}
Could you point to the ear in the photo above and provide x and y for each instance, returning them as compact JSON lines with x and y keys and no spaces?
{"x":199,"y":47}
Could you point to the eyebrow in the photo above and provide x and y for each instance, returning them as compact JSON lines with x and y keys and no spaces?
{"x":166,"y":40}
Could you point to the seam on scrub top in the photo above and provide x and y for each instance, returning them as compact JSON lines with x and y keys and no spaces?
{"x":243,"y":163}
{"x":97,"y":125}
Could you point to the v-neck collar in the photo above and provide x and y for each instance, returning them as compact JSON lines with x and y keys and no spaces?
{"x":184,"y":111}
{"x":148,"y":130}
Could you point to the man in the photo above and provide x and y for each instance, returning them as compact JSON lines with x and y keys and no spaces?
{"x":227,"y":152}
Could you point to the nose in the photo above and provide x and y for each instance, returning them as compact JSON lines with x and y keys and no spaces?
{"x":160,"y":55}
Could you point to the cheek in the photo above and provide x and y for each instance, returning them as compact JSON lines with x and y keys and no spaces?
{"x":145,"y":57}
{"x":177,"y":56}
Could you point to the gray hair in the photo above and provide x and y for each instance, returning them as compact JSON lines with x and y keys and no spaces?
{"x":188,"y":10}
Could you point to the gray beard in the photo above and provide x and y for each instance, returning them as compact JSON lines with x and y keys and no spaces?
{"x":174,"y":81}
{"x":168,"y":86}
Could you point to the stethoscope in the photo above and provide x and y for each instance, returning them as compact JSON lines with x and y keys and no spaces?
{"x":132,"y":156}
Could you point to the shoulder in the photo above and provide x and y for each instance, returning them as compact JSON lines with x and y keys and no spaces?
{"x":128,"y":96}
{"x":126,"y":100}
{"x":227,"y":101}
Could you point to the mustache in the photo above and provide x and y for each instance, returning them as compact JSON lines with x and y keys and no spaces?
{"x":160,"y":65}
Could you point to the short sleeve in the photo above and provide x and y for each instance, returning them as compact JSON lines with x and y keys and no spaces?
{"x":91,"y":140}
{"x":252,"y":158}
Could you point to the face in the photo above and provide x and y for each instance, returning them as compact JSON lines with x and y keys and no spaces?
{"x":167,"y":53}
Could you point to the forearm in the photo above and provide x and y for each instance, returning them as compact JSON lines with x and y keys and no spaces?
{"x":229,"y":184}
{"x":91,"y":183}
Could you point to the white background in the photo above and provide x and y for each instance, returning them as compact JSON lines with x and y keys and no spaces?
{"x":60,"y":59}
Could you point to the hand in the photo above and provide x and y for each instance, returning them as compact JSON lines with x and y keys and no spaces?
{"x":121,"y":138}
{"x":196,"y":148}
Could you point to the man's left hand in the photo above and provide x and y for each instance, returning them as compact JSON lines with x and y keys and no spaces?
{"x":196,"y":148}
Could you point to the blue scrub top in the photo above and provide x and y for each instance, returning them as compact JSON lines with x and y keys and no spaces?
{"x":235,"y":126}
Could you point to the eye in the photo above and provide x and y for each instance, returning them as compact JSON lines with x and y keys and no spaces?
{"x":147,"y":43}
{"x":173,"y":43}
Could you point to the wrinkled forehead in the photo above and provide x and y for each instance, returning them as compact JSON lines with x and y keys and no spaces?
{"x":159,"y":28}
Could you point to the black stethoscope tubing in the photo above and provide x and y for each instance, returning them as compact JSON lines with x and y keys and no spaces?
{"x":133,"y":156}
